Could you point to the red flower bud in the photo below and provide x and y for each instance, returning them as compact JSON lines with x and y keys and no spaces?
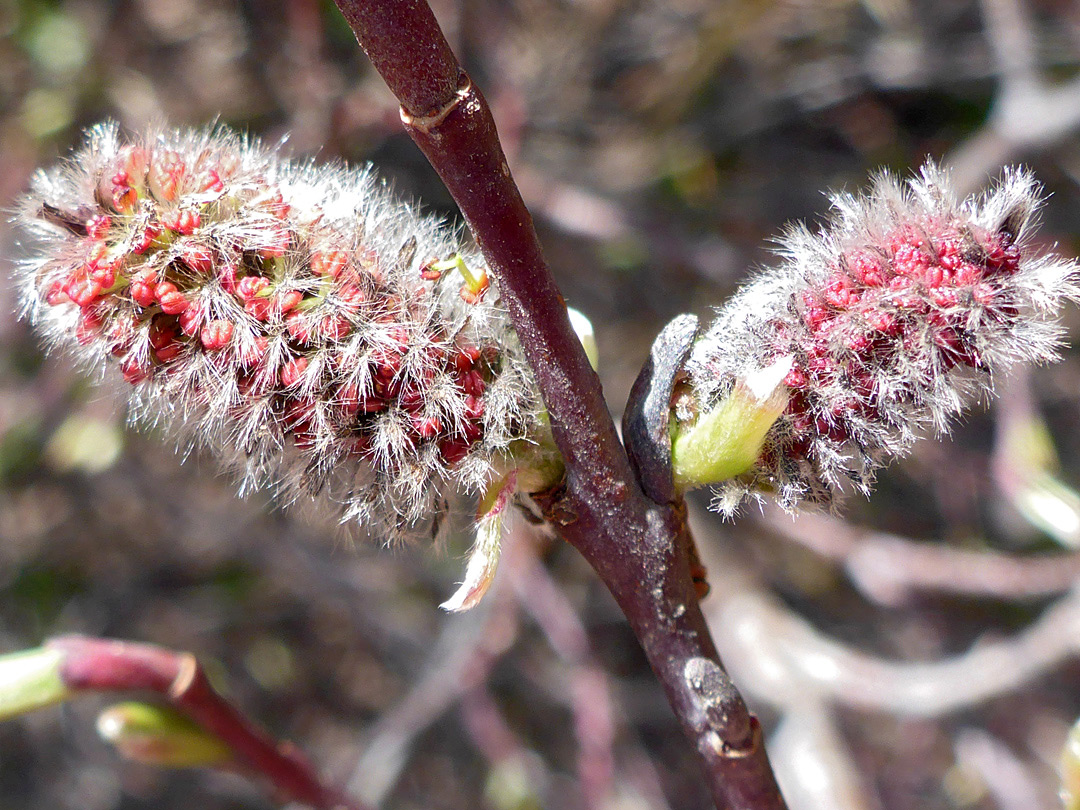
{"x":171,"y":299}
{"x":216,"y":335}
{"x":293,"y":371}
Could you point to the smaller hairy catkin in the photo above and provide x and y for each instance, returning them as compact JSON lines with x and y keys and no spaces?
{"x":304,"y":325}
{"x":881,"y":325}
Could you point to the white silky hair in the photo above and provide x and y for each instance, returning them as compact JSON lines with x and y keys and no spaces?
{"x":914,"y":392}
{"x":398,"y":490}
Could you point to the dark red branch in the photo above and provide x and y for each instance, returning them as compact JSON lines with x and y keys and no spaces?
{"x":653,"y":585}
{"x":429,"y":76}
{"x":102,"y":665}
{"x":640,"y":548}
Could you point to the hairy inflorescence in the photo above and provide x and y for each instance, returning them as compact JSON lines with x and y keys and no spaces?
{"x":306,"y":326}
{"x":881,"y":325}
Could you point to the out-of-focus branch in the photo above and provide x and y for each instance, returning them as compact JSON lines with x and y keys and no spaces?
{"x":889,"y":569}
{"x":782,"y":658}
{"x":462,"y":657}
{"x":1007,"y":778}
{"x":1028,"y":112}
{"x":813,"y":762}
{"x":591,"y":695}
{"x":787,"y":663}
{"x":1026,"y":466}
{"x":101,"y":665}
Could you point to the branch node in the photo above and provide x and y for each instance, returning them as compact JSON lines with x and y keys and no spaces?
{"x":429,"y":122}
{"x":555,"y":505}
{"x":721,"y":705}
{"x":722,"y":748}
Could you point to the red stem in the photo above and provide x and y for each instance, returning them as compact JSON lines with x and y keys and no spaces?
{"x":640,"y":548}
{"x":102,"y":665}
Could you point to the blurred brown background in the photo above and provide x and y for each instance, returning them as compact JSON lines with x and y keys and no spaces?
{"x":659,"y":143}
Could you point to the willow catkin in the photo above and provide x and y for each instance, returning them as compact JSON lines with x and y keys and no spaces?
{"x":880,"y":325}
{"x":316,"y":333}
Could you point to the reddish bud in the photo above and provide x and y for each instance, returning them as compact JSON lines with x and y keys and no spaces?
{"x":429,"y":272}
{"x":472,"y":382}
{"x":168,"y":351}
{"x":277,"y":242}
{"x":474,"y":407}
{"x":83,"y":290}
{"x":182,"y":221}
{"x":104,"y":275}
{"x":145,"y":240}
{"x":162,"y":332}
{"x":124,"y":200}
{"x":277,"y":205}
{"x":135,"y":161}
{"x":328,"y":263}
{"x":191,"y":320}
{"x":252,"y":354}
{"x":199,"y":258}
{"x":299,"y":327}
{"x":163,"y":337}
{"x":227,"y":277}
{"x":355,"y":402}
{"x":335,"y":327}
{"x":143,"y":288}
{"x":351,"y":298}
{"x":290,"y":300}
{"x":466,"y":357}
{"x":172,"y":301}
{"x":293,"y":371}
{"x":471,"y":297}
{"x":133,"y":372}
{"x":454,"y":450}
{"x":472,"y":431}
{"x":212,"y":181}
{"x":426,"y":427}
{"x":216,"y":335}
{"x":96,"y":253}
{"x":259,"y":308}
{"x":165,"y":174}
{"x":840,"y":294}
{"x":89,"y":326}
{"x":866,"y":269}
{"x":56,"y":294}
{"x":250,"y":286}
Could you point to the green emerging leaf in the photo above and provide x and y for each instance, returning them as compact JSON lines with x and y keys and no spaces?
{"x":31,"y":680}
{"x":158,"y":735}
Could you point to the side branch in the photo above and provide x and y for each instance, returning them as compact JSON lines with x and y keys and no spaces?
{"x":101,"y":665}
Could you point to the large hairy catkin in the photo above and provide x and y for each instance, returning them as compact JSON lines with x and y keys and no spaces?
{"x":306,"y":326}
{"x":879,"y":326}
